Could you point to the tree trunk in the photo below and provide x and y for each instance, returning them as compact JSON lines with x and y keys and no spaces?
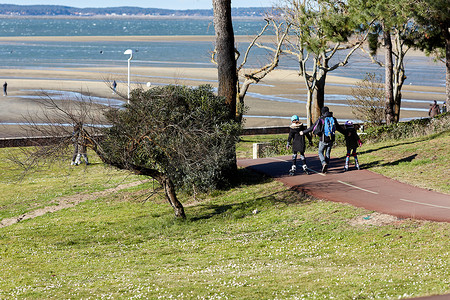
{"x":389,"y":104}
{"x":320,"y":96}
{"x":167,"y":184}
{"x":226,"y":61}
{"x":226,"y":65}
{"x":309,"y":118}
{"x":169,"y":189}
{"x":399,"y":76}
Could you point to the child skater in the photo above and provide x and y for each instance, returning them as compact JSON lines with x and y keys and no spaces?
{"x":352,"y":141}
{"x":298,"y":144}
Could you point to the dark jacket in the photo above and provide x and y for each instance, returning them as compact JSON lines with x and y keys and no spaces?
{"x":298,"y":141}
{"x":351,"y":138}
{"x":434,"y":110}
{"x":323,"y":137}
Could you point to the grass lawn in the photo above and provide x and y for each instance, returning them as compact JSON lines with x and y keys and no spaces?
{"x":256,"y":240}
{"x":421,"y":161}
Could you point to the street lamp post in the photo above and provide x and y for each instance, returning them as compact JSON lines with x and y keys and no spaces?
{"x":129,"y":52}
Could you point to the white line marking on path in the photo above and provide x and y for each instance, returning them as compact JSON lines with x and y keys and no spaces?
{"x":416,"y":202}
{"x":320,"y":173}
{"x":357,"y":187}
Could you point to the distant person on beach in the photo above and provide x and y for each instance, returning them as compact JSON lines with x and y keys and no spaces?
{"x":352,"y":141}
{"x":325,"y":127}
{"x":114,"y":86}
{"x":434,"y":110}
{"x":444,"y":107}
{"x":298,"y":144}
{"x":5,"y":89}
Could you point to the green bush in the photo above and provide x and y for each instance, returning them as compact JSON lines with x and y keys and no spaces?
{"x":401,"y":130}
{"x":183,"y":133}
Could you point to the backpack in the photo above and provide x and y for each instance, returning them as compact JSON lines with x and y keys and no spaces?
{"x":318,"y":128}
{"x":329,"y":127}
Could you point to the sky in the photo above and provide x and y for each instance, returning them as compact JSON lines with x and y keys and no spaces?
{"x":169,"y":4}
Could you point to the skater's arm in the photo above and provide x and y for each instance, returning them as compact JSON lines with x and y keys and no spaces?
{"x":290,"y":137}
{"x":310,"y":129}
{"x":309,"y":138}
{"x":339,"y":127}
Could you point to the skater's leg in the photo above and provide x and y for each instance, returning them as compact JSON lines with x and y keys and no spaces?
{"x":355,"y":155}
{"x":86,"y":161}
{"x":347,"y":158}
{"x":75,"y":153}
{"x":321,"y":150}
{"x":294,"y":163}
{"x":78,"y":159}
{"x":328,"y":153}
{"x":304,"y":166}
{"x":294,"y":158}
{"x":324,"y":155}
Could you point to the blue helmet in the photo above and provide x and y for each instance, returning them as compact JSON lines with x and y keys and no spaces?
{"x":294,"y":118}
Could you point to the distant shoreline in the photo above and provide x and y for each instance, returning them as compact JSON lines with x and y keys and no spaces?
{"x":155,"y":17}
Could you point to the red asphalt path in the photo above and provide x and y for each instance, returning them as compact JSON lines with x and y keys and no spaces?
{"x":361,"y":188}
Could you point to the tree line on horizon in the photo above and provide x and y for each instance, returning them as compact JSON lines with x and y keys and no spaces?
{"x":59,"y":10}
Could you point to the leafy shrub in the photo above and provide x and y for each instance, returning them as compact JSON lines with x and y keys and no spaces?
{"x":414,"y":128}
{"x":185,"y":133}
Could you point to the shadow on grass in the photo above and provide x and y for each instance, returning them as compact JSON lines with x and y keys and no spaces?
{"x":239,"y":210}
{"x":419,"y":140}
{"x":378,"y":163}
{"x":248,"y":177}
{"x":391,"y":146}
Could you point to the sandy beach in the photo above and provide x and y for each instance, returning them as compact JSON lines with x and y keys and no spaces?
{"x":266,"y":102}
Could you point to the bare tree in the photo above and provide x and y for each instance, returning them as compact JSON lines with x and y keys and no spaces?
{"x":55,"y":122}
{"x":254,"y":76}
{"x":396,"y":48}
{"x":368,"y":99}
{"x":319,"y":30}
{"x":181,"y":137}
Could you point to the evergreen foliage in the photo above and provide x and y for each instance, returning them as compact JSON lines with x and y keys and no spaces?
{"x":184,"y":133}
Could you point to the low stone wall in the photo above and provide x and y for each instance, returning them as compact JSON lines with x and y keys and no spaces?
{"x":265,"y":130}
{"x":29,"y":141}
{"x":43,"y":140}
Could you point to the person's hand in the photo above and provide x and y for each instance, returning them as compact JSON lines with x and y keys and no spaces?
{"x":287,"y":146}
{"x":301,"y":132}
{"x":360,"y":143}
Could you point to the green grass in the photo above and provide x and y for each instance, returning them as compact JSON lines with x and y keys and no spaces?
{"x":122,"y":247}
{"x":21,"y":193}
{"x":420,"y":161}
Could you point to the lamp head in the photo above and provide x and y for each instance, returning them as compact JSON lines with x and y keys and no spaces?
{"x":129,"y":52}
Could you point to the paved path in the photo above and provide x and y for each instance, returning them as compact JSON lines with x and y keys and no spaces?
{"x":360,"y":188}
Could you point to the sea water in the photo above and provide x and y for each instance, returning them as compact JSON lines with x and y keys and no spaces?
{"x":66,"y":54}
